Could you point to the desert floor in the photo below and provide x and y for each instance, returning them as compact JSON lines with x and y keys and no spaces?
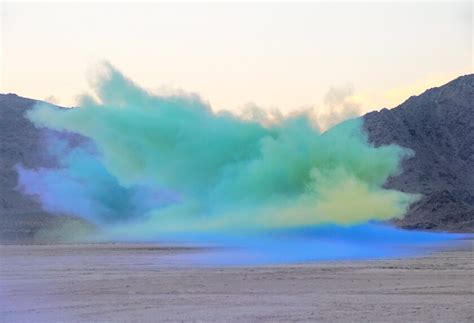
{"x":129,"y":282}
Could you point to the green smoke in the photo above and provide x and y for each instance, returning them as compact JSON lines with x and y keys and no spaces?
{"x":230,"y":172}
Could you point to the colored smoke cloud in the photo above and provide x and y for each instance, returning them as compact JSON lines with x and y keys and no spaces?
{"x":173,"y":164}
{"x":270,"y":188}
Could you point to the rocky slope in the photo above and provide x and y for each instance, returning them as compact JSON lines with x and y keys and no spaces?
{"x":438,"y":126}
{"x":21,"y":218}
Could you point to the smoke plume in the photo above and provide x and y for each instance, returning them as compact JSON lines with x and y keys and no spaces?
{"x":168,"y":167}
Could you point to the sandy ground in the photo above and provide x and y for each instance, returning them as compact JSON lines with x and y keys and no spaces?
{"x":126,"y":282}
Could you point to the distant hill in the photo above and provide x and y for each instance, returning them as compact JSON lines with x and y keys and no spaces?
{"x":438,"y":126}
{"x":21,"y":217}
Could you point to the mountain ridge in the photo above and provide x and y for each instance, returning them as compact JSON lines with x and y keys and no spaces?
{"x":438,"y":125}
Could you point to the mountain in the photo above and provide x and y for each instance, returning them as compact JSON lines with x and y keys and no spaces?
{"x":438,"y":126}
{"x":21,"y":218}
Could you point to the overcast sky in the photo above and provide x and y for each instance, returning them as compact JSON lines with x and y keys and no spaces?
{"x":273,"y":55}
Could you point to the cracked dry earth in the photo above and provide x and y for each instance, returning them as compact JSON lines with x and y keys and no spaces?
{"x":130,"y":282}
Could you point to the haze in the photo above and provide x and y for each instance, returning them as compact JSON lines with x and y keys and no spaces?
{"x":285,"y":56}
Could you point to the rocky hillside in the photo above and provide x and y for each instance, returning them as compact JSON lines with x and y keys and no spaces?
{"x":438,"y":126}
{"x":21,"y":218}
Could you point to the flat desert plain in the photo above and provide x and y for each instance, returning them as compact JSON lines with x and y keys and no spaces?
{"x":145,"y":282}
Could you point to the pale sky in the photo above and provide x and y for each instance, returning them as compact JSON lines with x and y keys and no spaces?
{"x":285,"y":56}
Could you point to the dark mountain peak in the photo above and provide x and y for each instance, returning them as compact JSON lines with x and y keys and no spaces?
{"x":458,"y":91}
{"x":10,"y":95}
{"x":438,"y":125}
{"x":12,"y":100}
{"x":21,"y":217}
